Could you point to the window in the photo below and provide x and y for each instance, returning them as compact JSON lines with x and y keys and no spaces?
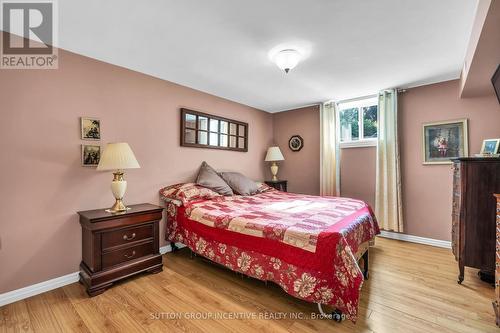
{"x":358,"y":123}
{"x":206,"y":131}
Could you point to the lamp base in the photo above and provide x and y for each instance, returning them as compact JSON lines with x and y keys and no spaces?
{"x":118,"y":187}
{"x":274,"y":171}
{"x":118,"y":207}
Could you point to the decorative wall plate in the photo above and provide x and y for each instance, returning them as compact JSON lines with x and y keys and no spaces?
{"x":296,"y":143}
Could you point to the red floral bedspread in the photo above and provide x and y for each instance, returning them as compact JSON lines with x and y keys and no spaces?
{"x":306,"y":244}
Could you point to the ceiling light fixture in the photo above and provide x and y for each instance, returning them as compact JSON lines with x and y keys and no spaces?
{"x":287,"y":59}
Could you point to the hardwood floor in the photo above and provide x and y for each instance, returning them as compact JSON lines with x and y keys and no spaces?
{"x":412,"y":288}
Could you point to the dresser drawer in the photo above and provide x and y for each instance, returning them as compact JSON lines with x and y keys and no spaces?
{"x":130,"y":253}
{"x":127,"y":235}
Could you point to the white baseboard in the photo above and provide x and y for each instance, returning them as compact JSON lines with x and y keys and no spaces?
{"x":39,"y":288}
{"x":415,"y":239}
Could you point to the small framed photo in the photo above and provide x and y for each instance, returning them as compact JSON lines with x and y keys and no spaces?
{"x":91,"y":154}
{"x":91,"y":128}
{"x":490,"y":146}
{"x":444,"y":140}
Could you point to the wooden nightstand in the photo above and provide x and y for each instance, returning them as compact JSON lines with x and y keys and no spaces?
{"x":280,"y":185}
{"x":116,"y":246}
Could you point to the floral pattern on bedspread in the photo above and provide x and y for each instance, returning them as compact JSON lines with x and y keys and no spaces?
{"x":293,"y":219}
{"x":294,"y":280}
{"x":321,"y":267}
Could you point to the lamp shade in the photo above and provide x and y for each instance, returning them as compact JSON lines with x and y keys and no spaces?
{"x":274,"y":154}
{"x":117,"y":156}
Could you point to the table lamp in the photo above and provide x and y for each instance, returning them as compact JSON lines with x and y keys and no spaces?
{"x":273,"y":155}
{"x":118,"y":157}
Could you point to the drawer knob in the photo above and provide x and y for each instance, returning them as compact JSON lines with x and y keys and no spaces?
{"x":128,"y":256}
{"x":127,"y":238}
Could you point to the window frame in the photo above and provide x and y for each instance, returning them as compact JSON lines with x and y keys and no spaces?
{"x":209,"y":130}
{"x":358,"y":103}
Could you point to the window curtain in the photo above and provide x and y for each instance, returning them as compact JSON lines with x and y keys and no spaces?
{"x":329,"y":152}
{"x":388,"y":205}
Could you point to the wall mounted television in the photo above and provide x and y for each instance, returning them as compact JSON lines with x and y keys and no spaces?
{"x":496,"y":82}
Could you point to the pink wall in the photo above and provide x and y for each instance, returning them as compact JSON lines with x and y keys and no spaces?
{"x":357,"y":173}
{"x":301,"y":168}
{"x":42,"y":182}
{"x":427,"y":189}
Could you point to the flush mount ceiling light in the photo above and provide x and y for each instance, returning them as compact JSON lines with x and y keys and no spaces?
{"x":287,"y":59}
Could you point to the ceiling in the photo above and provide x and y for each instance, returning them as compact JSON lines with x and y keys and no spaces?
{"x":352,"y":47}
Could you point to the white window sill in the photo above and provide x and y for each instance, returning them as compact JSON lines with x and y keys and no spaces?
{"x":359,"y":144}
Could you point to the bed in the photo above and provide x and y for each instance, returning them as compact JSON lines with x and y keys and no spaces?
{"x":308,"y":245}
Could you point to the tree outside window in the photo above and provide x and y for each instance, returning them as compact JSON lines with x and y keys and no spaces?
{"x":358,"y":121}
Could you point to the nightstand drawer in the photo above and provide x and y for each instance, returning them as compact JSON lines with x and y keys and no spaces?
{"x":130,"y":253}
{"x":127,"y":235}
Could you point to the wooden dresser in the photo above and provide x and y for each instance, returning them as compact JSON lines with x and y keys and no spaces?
{"x":496,"y":302}
{"x":116,"y":246}
{"x":473,"y":214}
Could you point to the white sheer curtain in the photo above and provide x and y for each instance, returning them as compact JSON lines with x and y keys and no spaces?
{"x":388,"y":205}
{"x":329,"y":152}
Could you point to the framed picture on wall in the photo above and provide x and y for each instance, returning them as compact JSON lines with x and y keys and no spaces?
{"x":445,"y":140}
{"x":91,"y":128}
{"x":91,"y":154}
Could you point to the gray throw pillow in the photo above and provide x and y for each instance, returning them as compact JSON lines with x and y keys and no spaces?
{"x":209,"y":178}
{"x":239,"y":183}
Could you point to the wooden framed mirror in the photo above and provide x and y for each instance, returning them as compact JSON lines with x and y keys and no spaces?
{"x":203,"y":130}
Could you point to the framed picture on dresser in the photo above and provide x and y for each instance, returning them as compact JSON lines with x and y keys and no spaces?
{"x":444,"y":140}
{"x":490,"y":147}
